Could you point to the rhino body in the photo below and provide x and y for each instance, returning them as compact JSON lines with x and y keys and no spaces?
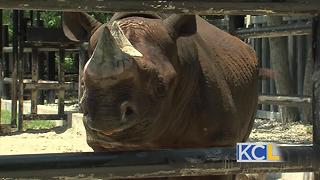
{"x":157,"y":81}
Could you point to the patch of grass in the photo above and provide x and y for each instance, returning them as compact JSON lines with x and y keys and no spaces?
{"x":5,"y":117}
{"x":39,"y":124}
{"x":33,"y":124}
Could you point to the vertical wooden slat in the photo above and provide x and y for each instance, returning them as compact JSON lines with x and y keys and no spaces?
{"x":258,"y":48}
{"x":5,"y":40}
{"x":41,"y":59}
{"x":265,"y":59}
{"x":1,"y":59}
{"x":35,"y":78}
{"x":300,"y":64}
{"x":14,"y":69}
{"x":316,"y":94}
{"x":6,"y":65}
{"x":51,"y":76}
{"x":31,"y":17}
{"x":61,"y":80}
{"x":20,"y":70}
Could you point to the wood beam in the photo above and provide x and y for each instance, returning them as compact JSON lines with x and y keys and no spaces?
{"x":231,"y":7}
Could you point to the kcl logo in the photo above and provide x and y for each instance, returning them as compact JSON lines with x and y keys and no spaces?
{"x":258,"y":152}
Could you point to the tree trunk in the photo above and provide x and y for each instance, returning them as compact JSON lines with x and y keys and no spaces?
{"x":280,"y":64}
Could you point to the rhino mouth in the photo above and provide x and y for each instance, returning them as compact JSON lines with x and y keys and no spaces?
{"x":103,"y":132}
{"x":102,"y":141}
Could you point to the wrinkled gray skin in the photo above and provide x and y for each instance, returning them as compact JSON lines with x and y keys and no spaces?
{"x":155,"y":82}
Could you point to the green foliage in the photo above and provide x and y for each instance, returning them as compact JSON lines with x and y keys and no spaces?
{"x":7,"y":15}
{"x":101,"y":17}
{"x":69,"y":64}
{"x":51,"y":19}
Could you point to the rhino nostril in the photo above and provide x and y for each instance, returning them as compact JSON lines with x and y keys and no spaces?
{"x":129,"y":111}
{"x":126,"y":111}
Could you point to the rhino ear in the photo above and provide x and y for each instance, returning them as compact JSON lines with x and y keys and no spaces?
{"x":78,"y":26}
{"x":181,"y":25}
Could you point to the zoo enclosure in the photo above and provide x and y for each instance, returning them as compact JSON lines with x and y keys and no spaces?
{"x":202,"y":7}
{"x":32,"y":44}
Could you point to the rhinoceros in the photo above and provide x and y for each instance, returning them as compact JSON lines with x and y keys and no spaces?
{"x":164,"y":81}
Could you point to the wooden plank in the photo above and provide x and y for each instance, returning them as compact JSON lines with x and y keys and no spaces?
{"x":43,"y":35}
{"x":14,"y":70}
{"x":150,"y":164}
{"x":173,"y":6}
{"x":9,"y":80}
{"x":275,"y":31}
{"x":6,"y":66}
{"x":285,"y":100}
{"x":44,"y":117}
{"x":264,"y":62}
{"x":50,"y":86}
{"x":20,"y":69}
{"x":51,"y":94}
{"x":61,"y":80}
{"x":35,"y":78}
{"x":1,"y":60}
{"x":316,"y":93}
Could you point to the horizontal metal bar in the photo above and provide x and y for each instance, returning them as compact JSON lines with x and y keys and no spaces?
{"x":285,"y":100}
{"x":172,"y":6}
{"x":152,"y":163}
{"x":44,"y":117}
{"x":274,"y":31}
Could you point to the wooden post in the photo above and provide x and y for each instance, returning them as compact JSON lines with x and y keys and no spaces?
{"x":20,"y":70}
{"x":5,"y":42}
{"x":61,"y":81}
{"x":6,"y":65}
{"x":15,"y":53}
{"x":301,"y":43}
{"x":265,"y":59}
{"x":1,"y":61}
{"x":35,"y":78}
{"x":41,"y":59}
{"x":316,"y":94}
{"x":258,"y":48}
{"x":51,"y":76}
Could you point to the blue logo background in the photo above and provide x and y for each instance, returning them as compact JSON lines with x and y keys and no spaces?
{"x":259,"y":152}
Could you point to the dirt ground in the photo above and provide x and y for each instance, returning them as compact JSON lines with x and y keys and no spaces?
{"x":50,"y":142}
{"x":75,"y":141}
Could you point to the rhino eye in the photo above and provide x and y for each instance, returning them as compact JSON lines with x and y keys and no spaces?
{"x":160,"y":90}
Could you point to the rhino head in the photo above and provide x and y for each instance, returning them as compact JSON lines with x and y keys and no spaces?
{"x":131,"y":77}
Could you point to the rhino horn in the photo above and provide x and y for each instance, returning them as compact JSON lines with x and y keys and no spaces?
{"x":181,"y":25}
{"x":112,"y":55}
{"x":122,"y":40}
